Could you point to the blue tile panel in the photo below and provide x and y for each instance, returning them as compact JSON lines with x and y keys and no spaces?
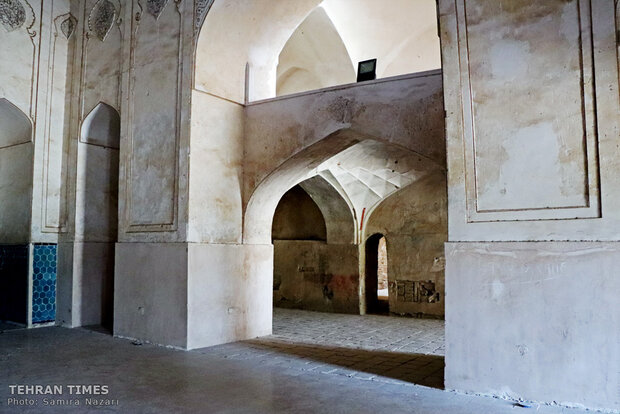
{"x":43,"y":283}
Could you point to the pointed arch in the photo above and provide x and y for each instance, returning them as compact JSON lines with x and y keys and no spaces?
{"x":16,"y":126}
{"x":102,"y":126}
{"x":318,"y":56}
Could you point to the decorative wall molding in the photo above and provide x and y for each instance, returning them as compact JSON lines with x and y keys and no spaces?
{"x":155,"y":7}
{"x":101,"y":19}
{"x":142,"y":151}
{"x":67,"y":25}
{"x":12,"y":14}
{"x":53,"y":213}
{"x":17,"y":19}
{"x":89,"y":70}
{"x":201,"y":8}
{"x":483,"y":148}
{"x":16,"y":126}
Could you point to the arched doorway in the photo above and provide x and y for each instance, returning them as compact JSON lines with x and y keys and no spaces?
{"x":315,"y":259}
{"x":376,"y":275}
{"x":290,"y":139}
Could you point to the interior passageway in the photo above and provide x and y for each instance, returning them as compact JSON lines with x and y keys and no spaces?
{"x":379,"y":348}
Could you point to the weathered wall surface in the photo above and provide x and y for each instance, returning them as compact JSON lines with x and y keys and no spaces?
{"x":15,"y":193}
{"x":229,"y":292}
{"x":297,"y":217}
{"x":85,"y":284}
{"x":217,"y":133}
{"x":36,"y":48}
{"x":414,"y":222}
{"x":155,"y":122}
{"x":522,"y":321}
{"x":86,"y":250}
{"x":310,"y":272}
{"x":558,"y":158}
{"x":531,"y":94}
{"x":406,"y":111}
{"x":316,"y":276}
{"x":150,"y":292}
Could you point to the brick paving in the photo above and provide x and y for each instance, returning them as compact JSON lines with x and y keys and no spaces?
{"x":386,"y":349}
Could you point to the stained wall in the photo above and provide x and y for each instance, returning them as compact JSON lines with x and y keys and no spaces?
{"x":414,"y":222}
{"x":532,"y":101}
{"x":310,"y":272}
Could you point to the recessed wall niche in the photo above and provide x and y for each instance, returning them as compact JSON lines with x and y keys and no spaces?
{"x":16,"y":127}
{"x":102,"y":127}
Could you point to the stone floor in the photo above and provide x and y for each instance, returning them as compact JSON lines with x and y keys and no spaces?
{"x":287,"y":372}
{"x":378,"y":348}
{"x":370,"y":332}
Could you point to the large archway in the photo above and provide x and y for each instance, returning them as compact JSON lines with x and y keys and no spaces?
{"x":309,"y":273}
{"x":363,"y":142}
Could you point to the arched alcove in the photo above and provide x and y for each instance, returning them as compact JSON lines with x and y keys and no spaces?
{"x":96,"y":215}
{"x":16,"y":169}
{"x":102,"y":126}
{"x":297,"y":217}
{"x":336,"y":208}
{"x":16,"y":172}
{"x":16,"y":126}
{"x":310,"y":271}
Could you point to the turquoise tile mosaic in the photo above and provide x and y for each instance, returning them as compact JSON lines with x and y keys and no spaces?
{"x":43,"y":283}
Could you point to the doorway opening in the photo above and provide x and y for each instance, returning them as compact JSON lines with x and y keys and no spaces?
{"x":290,"y":120}
{"x":376,"y":275}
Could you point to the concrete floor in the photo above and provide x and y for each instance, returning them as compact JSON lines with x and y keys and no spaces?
{"x":276,"y":374}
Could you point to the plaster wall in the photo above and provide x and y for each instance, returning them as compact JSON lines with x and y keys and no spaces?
{"x":53,"y":93}
{"x":151,"y":292}
{"x":535,"y":86}
{"x":261,"y":29}
{"x":228,"y":293}
{"x":406,"y":111}
{"x":216,"y":170}
{"x":154,"y":151}
{"x":314,"y":57}
{"x":36,"y":55}
{"x":534,"y":320}
{"x":16,"y":193}
{"x":86,"y":249}
{"x":317,"y":276}
{"x":86,"y":289}
{"x":414,"y":222}
{"x":545,"y":162}
{"x":401,"y":34}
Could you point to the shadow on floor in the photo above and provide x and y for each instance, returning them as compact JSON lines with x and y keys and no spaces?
{"x":426,"y":370}
{"x":9,"y":326}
